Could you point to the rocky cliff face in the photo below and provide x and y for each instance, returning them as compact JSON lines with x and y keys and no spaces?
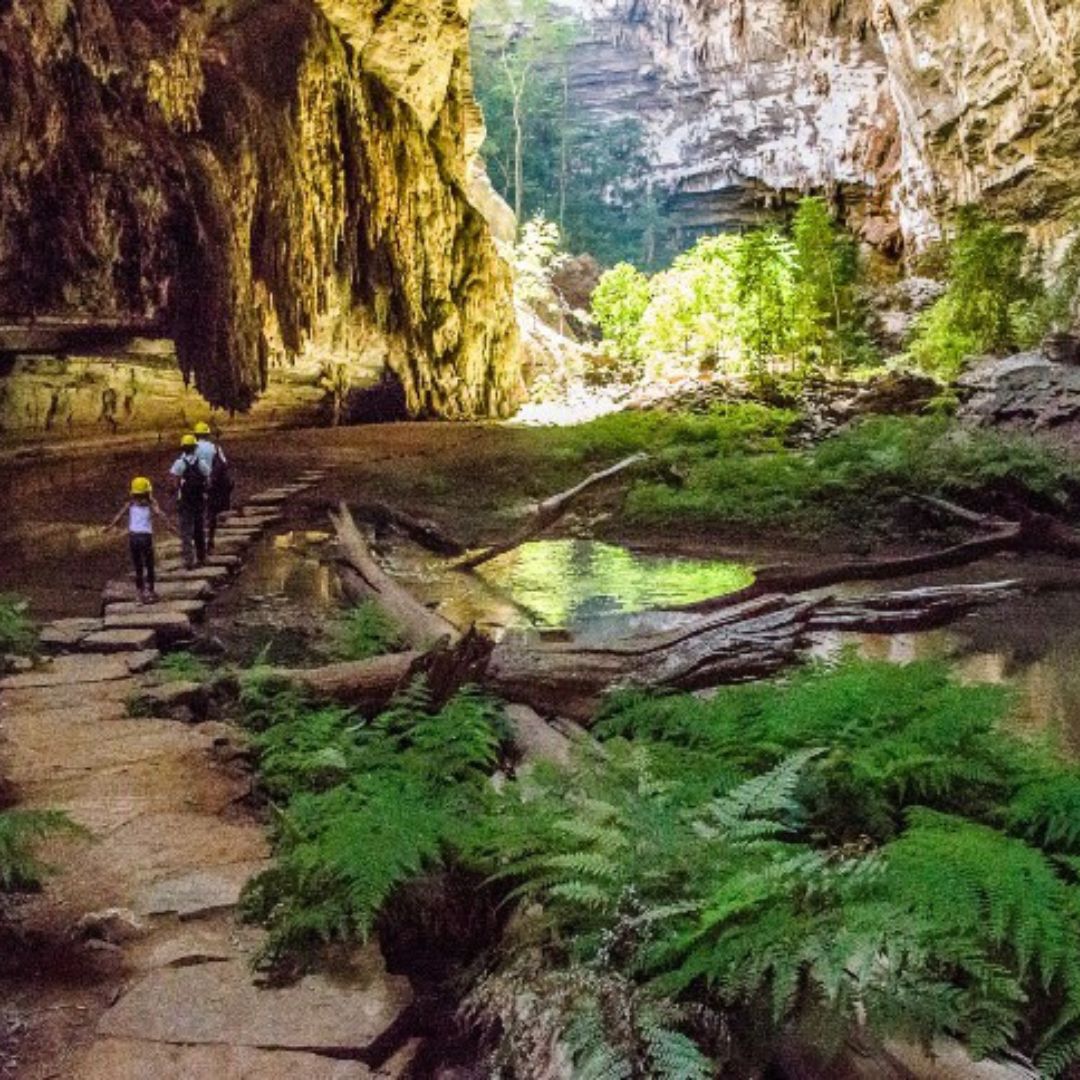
{"x":259,"y":180}
{"x":902,"y":108}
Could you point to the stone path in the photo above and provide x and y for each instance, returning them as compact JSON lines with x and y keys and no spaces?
{"x":152,"y":975}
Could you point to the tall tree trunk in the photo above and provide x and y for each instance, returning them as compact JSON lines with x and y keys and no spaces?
{"x":519,"y":158}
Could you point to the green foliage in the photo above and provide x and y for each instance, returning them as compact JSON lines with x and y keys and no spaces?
{"x":544,"y":154}
{"x":365,"y":631}
{"x":743,"y":303}
{"x":21,"y":831}
{"x":17,"y":634}
{"x":860,"y":844}
{"x":369,"y":804}
{"x":182,"y":666}
{"x":619,"y":302}
{"x":993,"y":303}
{"x":855,"y":481}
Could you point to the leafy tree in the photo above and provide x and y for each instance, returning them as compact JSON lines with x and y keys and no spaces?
{"x":618,"y":303}
{"x":993,"y":304}
{"x":535,"y":257}
{"x":828,"y":315}
{"x":765,"y":286}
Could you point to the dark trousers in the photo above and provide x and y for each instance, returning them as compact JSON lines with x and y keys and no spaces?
{"x":193,"y":534}
{"x":142,"y":555}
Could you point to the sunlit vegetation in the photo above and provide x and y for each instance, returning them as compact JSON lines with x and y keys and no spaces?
{"x":739,"y":466}
{"x":744,"y":304}
{"x":858,"y":845}
{"x":996,"y":300}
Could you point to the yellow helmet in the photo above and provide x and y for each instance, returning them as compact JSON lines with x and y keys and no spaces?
{"x":188,"y":440}
{"x":141,"y":486}
{"x":202,"y":428}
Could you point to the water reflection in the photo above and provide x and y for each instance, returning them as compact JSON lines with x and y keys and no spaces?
{"x":568,"y":582}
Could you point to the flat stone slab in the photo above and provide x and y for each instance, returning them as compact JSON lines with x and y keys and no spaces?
{"x":218,"y":1004}
{"x":120,"y":640}
{"x":193,"y":609}
{"x":130,"y":1059}
{"x":200,"y":893}
{"x":124,"y":591}
{"x":230,"y":562}
{"x":196,"y":573}
{"x":268,"y":498}
{"x":80,"y":668}
{"x":66,"y":633}
{"x":169,"y":627}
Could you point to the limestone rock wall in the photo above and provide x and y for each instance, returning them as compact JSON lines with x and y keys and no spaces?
{"x":259,"y":180}
{"x":901,"y":108}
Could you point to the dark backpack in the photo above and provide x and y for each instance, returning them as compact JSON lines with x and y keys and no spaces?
{"x":221,"y":481}
{"x":192,"y":484}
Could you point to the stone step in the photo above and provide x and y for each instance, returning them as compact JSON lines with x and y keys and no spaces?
{"x":231,"y":546}
{"x":268,"y":498}
{"x":78,"y":668}
{"x":132,"y":639}
{"x":65,"y":634}
{"x":169,"y":627}
{"x":230,"y":562}
{"x":212,"y":574}
{"x":124,"y":591}
{"x":195,"y":610}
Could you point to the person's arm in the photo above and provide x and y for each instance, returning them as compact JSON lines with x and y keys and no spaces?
{"x":176,"y":470}
{"x":161,"y":514}
{"x":119,"y":514}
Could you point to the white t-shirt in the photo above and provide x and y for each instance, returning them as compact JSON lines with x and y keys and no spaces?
{"x":140,"y":519}
{"x":187,"y":458}
{"x":206,"y":450}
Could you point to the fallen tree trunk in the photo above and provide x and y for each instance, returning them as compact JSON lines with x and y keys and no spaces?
{"x":547,"y":513}
{"x":426,"y":533}
{"x":365,"y":684}
{"x":784,"y":577}
{"x":364,"y":579}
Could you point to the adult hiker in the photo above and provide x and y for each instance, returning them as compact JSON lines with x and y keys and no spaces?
{"x":140,"y":509}
{"x":220,"y":485}
{"x":191,"y":477}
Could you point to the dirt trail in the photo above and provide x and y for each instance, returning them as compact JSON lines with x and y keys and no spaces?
{"x":131,"y":963}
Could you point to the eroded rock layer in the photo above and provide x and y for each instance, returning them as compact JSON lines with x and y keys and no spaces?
{"x":904,"y":108}
{"x":258,"y":181}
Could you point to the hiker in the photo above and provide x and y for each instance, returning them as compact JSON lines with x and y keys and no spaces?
{"x":219,"y":488}
{"x":191,"y":478}
{"x":140,"y":509}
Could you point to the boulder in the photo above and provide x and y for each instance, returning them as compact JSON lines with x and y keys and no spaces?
{"x":1026,"y":391}
{"x":114,"y":925}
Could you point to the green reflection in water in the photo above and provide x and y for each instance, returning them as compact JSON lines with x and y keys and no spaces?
{"x":567,"y":581}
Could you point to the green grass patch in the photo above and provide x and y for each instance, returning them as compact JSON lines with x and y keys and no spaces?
{"x":856,"y":481}
{"x":17,"y":632}
{"x":183,"y":666}
{"x":21,"y":833}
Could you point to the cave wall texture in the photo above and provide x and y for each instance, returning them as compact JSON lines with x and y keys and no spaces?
{"x":904,"y":108}
{"x":258,"y":180}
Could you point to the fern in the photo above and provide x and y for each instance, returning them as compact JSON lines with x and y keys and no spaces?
{"x":369,"y":805}
{"x":364,"y":631}
{"x":1046,"y":810}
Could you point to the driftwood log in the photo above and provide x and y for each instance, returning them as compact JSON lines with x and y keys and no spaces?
{"x":548,"y":512}
{"x":364,"y":579}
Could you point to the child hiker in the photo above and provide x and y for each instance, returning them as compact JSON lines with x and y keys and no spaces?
{"x":140,"y":509}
